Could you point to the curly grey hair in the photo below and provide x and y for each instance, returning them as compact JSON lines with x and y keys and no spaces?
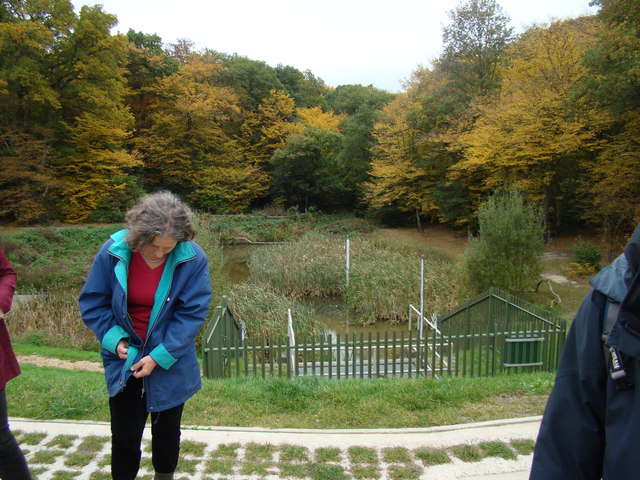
{"x":161,"y":213}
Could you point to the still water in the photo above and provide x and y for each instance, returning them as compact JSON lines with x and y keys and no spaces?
{"x":329,"y":312}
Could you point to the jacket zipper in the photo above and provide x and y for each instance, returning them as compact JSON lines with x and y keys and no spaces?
{"x":126,"y":295}
{"x":164,"y":301}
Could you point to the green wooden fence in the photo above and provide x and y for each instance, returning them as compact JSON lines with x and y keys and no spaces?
{"x":491,"y":334}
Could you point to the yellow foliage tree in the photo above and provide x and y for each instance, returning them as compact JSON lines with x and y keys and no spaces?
{"x":267,"y":130}
{"x":315,"y":117}
{"x":615,"y":177}
{"x":97,"y":122}
{"x":530,"y":135}
{"x":397,"y":179}
{"x":188,"y":147}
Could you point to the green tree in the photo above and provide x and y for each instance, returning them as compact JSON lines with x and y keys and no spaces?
{"x":473,"y":45}
{"x":360,"y":105}
{"x":253,"y":80}
{"x":306,"y":89}
{"x":507,"y":253}
{"x":466,"y":73}
{"x":613,"y":86}
{"x":304,"y":171}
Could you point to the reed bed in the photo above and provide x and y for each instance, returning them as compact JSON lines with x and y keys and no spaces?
{"x":264,"y":312}
{"x":383,"y":280}
{"x":312,"y":266}
{"x":51,"y":319}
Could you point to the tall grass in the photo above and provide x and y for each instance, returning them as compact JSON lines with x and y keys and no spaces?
{"x":312,"y":266}
{"x":51,"y":319}
{"x":264,"y":312}
{"x":383,"y":280}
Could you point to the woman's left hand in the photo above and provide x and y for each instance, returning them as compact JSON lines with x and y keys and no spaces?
{"x":144,"y":367}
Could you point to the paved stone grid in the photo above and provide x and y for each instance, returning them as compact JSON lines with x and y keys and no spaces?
{"x":71,"y":456}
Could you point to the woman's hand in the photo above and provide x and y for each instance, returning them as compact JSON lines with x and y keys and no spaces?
{"x":144,"y":367}
{"x":122,"y":349}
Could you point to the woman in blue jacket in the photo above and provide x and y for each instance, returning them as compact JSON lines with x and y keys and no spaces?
{"x":591,"y":425}
{"x":146,"y":297}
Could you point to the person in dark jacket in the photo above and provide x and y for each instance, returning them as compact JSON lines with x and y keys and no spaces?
{"x":591,"y":424}
{"x":13,"y":465}
{"x":146,"y":297}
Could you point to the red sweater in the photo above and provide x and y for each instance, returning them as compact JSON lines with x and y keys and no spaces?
{"x":8,"y":363}
{"x":142,"y":284}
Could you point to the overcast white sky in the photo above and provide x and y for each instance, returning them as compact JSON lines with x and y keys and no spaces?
{"x":377,"y":42}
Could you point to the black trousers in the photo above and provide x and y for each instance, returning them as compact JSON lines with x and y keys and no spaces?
{"x":13,"y":465}
{"x":128,"y":418}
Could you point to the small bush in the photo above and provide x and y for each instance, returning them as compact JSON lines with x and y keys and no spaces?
{"x":588,"y":255}
{"x":507,"y":254}
{"x":348,"y":226}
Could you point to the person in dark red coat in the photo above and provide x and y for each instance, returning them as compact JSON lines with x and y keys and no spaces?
{"x":13,"y":465}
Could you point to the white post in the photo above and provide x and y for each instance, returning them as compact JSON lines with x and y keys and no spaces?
{"x":421,"y":296}
{"x":292,"y":342}
{"x":347,"y":248}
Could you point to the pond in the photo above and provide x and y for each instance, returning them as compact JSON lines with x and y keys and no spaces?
{"x":329,"y":312}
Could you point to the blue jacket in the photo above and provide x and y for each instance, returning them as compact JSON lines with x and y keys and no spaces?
{"x":590,"y":430}
{"x":180,"y":307}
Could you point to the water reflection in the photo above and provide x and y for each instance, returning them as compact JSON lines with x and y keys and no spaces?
{"x":329,"y":312}
{"x":236,"y":262}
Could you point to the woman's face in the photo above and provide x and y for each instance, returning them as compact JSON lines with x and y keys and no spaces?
{"x":159,"y":247}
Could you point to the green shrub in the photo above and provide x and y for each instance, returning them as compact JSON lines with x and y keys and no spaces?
{"x":508,"y":251}
{"x":587,"y":254}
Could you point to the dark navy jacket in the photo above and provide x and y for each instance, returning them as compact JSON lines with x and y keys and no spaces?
{"x":180,"y":307}
{"x":590,"y":430}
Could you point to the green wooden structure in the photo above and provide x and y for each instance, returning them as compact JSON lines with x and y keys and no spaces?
{"x":491,"y":334}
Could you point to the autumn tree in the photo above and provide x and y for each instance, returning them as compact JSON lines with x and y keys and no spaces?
{"x":94,"y":164}
{"x":397,"y":179}
{"x":613,"y":86}
{"x":187,"y":148}
{"x":29,"y":35}
{"x":315,"y":117}
{"x":147,"y":62}
{"x":267,"y":130}
{"x":474,"y":45}
{"x":530,"y":135}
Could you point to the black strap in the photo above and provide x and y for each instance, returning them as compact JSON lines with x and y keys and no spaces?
{"x":612,"y":357}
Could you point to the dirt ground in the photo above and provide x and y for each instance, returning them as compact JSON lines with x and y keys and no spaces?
{"x":57,"y":363}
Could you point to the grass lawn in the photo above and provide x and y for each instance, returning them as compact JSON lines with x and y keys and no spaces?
{"x":306,"y":402}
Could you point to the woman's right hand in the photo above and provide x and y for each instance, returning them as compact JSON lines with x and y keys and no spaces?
{"x":122,"y":349}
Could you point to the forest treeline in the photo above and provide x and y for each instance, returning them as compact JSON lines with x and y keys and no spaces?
{"x":89,"y":120}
